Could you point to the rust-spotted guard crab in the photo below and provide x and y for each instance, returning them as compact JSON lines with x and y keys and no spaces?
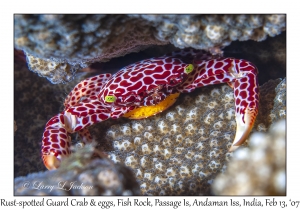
{"x":146,"y":88}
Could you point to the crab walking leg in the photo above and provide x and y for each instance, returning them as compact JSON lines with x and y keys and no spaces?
{"x":56,"y":140}
{"x":85,"y":135}
{"x":86,"y":89}
{"x":239,"y":74}
{"x":120,"y":111}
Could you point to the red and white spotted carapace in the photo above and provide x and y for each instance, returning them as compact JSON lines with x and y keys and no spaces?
{"x":146,"y":88}
{"x":145,"y":83}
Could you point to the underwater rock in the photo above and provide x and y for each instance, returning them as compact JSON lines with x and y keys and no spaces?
{"x":35,"y":102}
{"x":80,"y":174}
{"x":268,"y":94}
{"x":55,"y":72}
{"x":258,"y":169}
{"x":209,"y":31}
{"x":268,"y":56}
{"x":78,"y":39}
{"x":163,"y":165}
{"x":75,"y":41}
{"x":180,"y":151}
{"x":279,"y":109}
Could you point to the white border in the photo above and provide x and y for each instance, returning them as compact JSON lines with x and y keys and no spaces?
{"x":153,"y":6}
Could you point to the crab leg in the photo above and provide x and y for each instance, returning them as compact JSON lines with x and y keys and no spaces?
{"x":86,"y":89}
{"x":239,"y":74}
{"x":56,"y":140}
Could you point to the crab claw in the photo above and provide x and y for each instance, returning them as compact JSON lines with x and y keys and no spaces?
{"x":55,"y":142}
{"x":246,"y":95}
{"x":244,"y":124}
{"x":51,"y":162}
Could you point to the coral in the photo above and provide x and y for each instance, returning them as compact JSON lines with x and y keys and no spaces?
{"x":268,"y":95}
{"x":81,"y":38}
{"x":207,"y":31}
{"x":80,"y":175}
{"x":266,"y":175}
{"x":259,"y":169}
{"x":84,"y":39}
{"x":36,"y":101}
{"x":53,"y":71}
{"x":279,"y":110}
{"x":180,"y":151}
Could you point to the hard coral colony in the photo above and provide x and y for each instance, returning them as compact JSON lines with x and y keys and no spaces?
{"x":146,"y":88}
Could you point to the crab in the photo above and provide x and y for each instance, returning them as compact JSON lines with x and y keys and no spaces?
{"x":146,"y":88}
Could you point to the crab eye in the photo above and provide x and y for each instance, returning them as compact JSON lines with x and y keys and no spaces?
{"x":189,"y":68}
{"x":110,"y":99}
